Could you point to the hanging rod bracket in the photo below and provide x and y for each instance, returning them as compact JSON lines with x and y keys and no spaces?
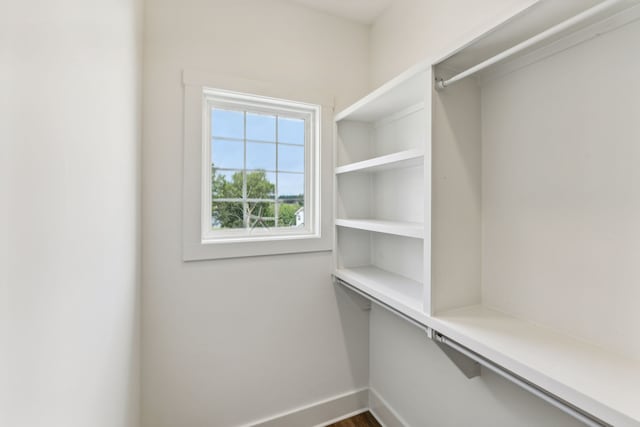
{"x":469,"y":367}
{"x":441,"y":84}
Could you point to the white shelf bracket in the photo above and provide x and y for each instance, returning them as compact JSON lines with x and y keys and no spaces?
{"x":357,"y":299}
{"x":469,"y":367}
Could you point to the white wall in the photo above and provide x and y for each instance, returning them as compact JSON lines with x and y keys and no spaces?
{"x":70,"y":265}
{"x":560,"y":195}
{"x":231,"y":341}
{"x":407,"y":370}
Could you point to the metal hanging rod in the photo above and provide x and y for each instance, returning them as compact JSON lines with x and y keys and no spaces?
{"x":442,"y":83}
{"x":531,"y":388}
{"x":548,"y":397}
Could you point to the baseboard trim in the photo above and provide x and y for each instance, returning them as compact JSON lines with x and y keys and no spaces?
{"x":342,"y":417}
{"x":383,"y":412}
{"x":335,"y":409}
{"x":320,"y":413}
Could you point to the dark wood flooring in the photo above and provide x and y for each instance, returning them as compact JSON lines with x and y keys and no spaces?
{"x":361,"y":420}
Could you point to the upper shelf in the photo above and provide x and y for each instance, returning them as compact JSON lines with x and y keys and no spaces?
{"x":594,"y":379}
{"x":577,"y":20}
{"x":401,"y":159}
{"x":404,"y":91}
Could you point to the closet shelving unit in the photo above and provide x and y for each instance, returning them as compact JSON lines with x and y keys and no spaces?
{"x":381,"y":227}
{"x":490,"y":195}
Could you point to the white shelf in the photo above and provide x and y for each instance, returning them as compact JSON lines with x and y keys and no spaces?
{"x":407,"y":89}
{"x":406,"y":229}
{"x":392,"y":289}
{"x":402,"y":159}
{"x":532,"y":20}
{"x":589,"y":377}
{"x":600,"y":382}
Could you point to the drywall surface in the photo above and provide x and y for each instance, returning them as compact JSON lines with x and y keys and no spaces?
{"x":425,"y":388}
{"x":70,"y":84}
{"x":229,"y":342}
{"x":410,"y":31}
{"x":561,"y":199}
{"x":407,"y":370}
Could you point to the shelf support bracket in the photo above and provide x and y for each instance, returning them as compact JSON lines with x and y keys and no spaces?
{"x":469,"y":367}
{"x":360,"y":301}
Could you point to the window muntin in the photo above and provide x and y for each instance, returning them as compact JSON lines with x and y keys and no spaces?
{"x":260,"y":172}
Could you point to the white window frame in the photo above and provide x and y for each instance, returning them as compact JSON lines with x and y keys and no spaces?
{"x":311,"y":114}
{"x":202,"y":91}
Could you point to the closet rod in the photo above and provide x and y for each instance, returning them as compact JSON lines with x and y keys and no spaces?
{"x":541,"y":393}
{"x":509,"y":376}
{"x":441,"y":83}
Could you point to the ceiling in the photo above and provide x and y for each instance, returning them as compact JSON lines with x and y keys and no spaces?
{"x":364,"y":11}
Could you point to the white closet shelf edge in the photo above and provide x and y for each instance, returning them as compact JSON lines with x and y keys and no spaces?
{"x":397,"y":228}
{"x":594,"y":379}
{"x":397,"y":291}
{"x":401,"y":159}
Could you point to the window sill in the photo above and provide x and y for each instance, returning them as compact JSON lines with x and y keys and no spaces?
{"x":280,"y":245}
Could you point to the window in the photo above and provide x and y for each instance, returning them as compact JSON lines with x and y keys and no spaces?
{"x":259,"y":176}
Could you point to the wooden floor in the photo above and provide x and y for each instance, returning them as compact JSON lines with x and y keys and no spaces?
{"x":362,"y":420}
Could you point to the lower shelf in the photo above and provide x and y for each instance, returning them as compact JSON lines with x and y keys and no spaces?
{"x":591,"y":378}
{"x":392,"y":289}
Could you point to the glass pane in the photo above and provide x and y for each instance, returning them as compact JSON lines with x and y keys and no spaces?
{"x":290,"y":186}
{"x":261,"y":185}
{"x":291,"y":213}
{"x":291,"y":131}
{"x":261,"y":127}
{"x":261,"y":215}
{"x":261,"y":156}
{"x":226,"y":215}
{"x":291,"y":158}
{"x":227,"y":154}
{"x":227,"y":123}
{"x":226,"y":184}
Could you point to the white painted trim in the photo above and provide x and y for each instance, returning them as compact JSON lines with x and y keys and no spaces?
{"x":320,"y":413}
{"x":342,"y":417}
{"x":383,"y":412}
{"x":193,"y":249}
{"x":334,"y":409}
{"x":311,"y":114}
{"x":192,"y":77}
